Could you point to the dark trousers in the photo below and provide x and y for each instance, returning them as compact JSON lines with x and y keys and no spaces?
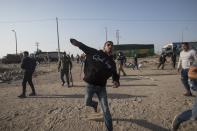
{"x":174,"y":64}
{"x":62,"y":73}
{"x":136,"y":65}
{"x":28,"y":78}
{"x":102,"y":96}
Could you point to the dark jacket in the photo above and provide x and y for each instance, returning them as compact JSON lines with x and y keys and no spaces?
{"x":28,"y":64}
{"x":98,"y":66}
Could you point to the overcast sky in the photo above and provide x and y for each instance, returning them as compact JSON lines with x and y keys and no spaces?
{"x":138,"y":21}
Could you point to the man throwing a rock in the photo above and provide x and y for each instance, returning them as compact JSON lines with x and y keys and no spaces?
{"x":99,"y":66}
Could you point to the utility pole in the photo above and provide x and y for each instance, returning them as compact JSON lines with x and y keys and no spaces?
{"x":15,"y":40}
{"x":58,"y":39}
{"x":117,"y":36}
{"x":106,"y":33}
{"x":37,"y":45}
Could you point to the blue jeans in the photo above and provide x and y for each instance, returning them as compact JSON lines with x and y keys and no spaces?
{"x":184,"y":79}
{"x":193,"y":85}
{"x":102,"y":96}
{"x":185,"y":116}
{"x":188,"y":114}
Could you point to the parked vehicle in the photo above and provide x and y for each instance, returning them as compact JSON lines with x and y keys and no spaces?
{"x":12,"y":58}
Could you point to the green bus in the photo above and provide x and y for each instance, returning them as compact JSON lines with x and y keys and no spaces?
{"x":141,"y":50}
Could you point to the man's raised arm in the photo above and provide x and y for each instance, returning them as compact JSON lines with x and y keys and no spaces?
{"x":83,"y":47}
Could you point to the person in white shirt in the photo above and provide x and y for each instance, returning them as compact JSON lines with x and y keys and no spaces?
{"x":187,"y":57}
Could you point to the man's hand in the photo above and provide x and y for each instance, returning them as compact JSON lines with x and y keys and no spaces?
{"x":73,"y":42}
{"x":116,"y":84}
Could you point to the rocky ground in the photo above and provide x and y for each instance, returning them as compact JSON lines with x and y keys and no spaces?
{"x":147,"y":100}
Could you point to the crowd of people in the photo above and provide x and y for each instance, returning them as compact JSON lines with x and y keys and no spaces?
{"x":99,"y":65}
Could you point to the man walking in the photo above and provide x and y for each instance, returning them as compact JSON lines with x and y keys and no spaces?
{"x":136,"y":61}
{"x":162,"y":60}
{"x":28,"y":65}
{"x":65,"y":66}
{"x":121,"y":61}
{"x":187,"y":57}
{"x":99,"y":66}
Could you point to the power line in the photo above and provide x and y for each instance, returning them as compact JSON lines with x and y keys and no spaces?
{"x":128,"y":20}
{"x":100,"y":19}
{"x":28,"y":21}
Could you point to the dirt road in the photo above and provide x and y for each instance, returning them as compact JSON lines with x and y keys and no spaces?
{"x":147,"y":100}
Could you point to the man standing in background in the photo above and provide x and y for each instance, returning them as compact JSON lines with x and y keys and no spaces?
{"x":121,"y":61}
{"x":162,"y":60}
{"x":136,"y":61}
{"x":64,"y":66}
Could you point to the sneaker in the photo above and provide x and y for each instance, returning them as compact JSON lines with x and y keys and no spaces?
{"x":22,"y":96}
{"x":180,"y":118}
{"x":63,"y":83}
{"x":68,"y":85}
{"x":175,"y":124}
{"x":188,"y":94}
{"x":95,"y":107}
{"x":32,"y":94}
